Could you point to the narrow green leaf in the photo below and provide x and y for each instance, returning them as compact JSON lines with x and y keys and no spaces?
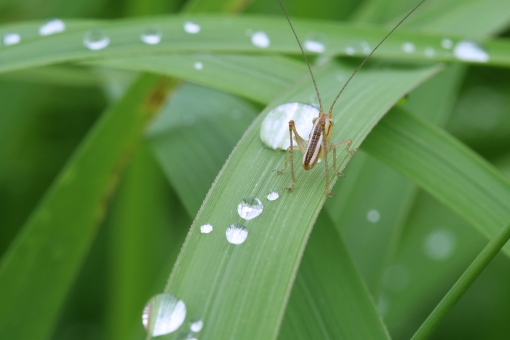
{"x":443,"y":166}
{"x":40,"y":265}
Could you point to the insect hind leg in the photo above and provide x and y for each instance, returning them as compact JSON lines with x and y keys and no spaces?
{"x":333,"y":146}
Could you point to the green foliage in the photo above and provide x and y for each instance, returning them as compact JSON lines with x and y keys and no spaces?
{"x":86,"y":244}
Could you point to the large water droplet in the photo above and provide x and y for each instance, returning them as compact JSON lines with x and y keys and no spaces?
{"x":250,"y":207}
{"x":11,"y":39}
{"x":163,"y":314}
{"x":272,"y":196}
{"x":206,"y":228}
{"x":52,"y":26}
{"x":274,"y":131}
{"x":439,"y":244}
{"x":236,"y":233}
{"x":260,"y":39}
{"x":96,"y":40}
{"x":151,"y":36}
{"x":191,"y":27}
{"x":470,"y":51}
{"x":373,"y":216}
{"x":408,"y":47}
{"x":196,"y":325}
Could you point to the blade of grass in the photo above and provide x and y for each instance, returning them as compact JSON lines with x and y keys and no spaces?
{"x":39,"y":267}
{"x":443,"y":166}
{"x":464,"y":282}
{"x":227,"y":34}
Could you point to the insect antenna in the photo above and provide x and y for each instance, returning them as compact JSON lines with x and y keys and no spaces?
{"x":304,"y":56}
{"x":330,"y":112}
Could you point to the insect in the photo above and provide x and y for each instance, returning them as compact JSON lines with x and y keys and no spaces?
{"x":318,"y":144}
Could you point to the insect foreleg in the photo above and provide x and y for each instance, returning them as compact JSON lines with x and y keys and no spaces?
{"x":347,"y":149}
{"x":290,"y":153}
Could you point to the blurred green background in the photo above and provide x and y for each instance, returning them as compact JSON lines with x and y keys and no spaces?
{"x":45,"y":116}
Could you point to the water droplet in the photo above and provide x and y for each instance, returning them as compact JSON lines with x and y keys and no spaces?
{"x":96,"y":40}
{"x":236,"y":233}
{"x":439,"y":244}
{"x":447,"y":43}
{"x":272,"y":196}
{"x":52,"y":26}
{"x":430,"y":52}
{"x":260,"y":39}
{"x":206,"y":228}
{"x":191,"y":27}
{"x":350,"y":50}
{"x":151,"y":36}
{"x":164,"y":314}
{"x":249,"y":208}
{"x":11,"y":39}
{"x":315,"y":43}
{"x":373,"y":216}
{"x":274,"y":131}
{"x":198,"y":65}
{"x":408,"y":47}
{"x":396,"y":277}
{"x":470,"y":51}
{"x":196,"y":325}
{"x":365,"y":47}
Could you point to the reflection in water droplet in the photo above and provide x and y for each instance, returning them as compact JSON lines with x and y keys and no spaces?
{"x":447,"y":43}
{"x":191,"y":27}
{"x":439,"y":244}
{"x":272,"y":196}
{"x":151,"y":36}
{"x":250,"y":207}
{"x":470,"y":51}
{"x":96,"y":40}
{"x":236,"y":233}
{"x":198,"y":65}
{"x":274,"y":131}
{"x":430,"y":52}
{"x":408,"y":47}
{"x":350,"y":50}
{"x":206,"y":228}
{"x":196,"y":325}
{"x":163,"y":314}
{"x":11,"y":39}
{"x":396,"y":277}
{"x":373,"y":216}
{"x":260,"y":39}
{"x":52,"y":26}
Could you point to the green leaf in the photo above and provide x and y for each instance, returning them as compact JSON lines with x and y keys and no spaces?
{"x":39,"y":267}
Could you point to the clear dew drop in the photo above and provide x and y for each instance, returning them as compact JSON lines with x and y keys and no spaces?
{"x":236,"y":233}
{"x":191,"y":27}
{"x":164,"y":314}
{"x":52,"y":26}
{"x":249,"y":208}
{"x":350,"y":50}
{"x":439,"y":244}
{"x":151,"y":36}
{"x":408,"y":47}
{"x":429,"y":52}
{"x":470,"y":51}
{"x":274,"y":131}
{"x":260,"y":39}
{"x":96,"y":40}
{"x":196,"y":325}
{"x":11,"y":39}
{"x":315,"y":43}
{"x":198,"y":65}
{"x":373,"y":216}
{"x":272,"y":196}
{"x":447,"y":43}
{"x":206,"y":228}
